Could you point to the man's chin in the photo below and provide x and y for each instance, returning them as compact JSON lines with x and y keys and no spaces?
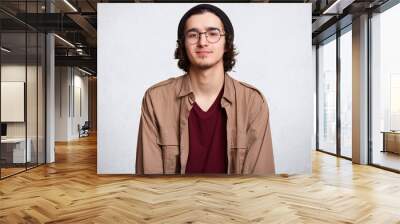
{"x":203,"y":66}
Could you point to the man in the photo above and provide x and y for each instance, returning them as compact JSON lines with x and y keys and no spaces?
{"x":204,"y":121}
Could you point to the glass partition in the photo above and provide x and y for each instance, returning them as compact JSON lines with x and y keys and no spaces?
{"x":327,"y":96}
{"x":22,"y":77}
{"x":13,"y":109}
{"x":32,"y":95}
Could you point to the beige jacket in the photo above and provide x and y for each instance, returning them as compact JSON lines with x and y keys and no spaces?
{"x":163,"y":139}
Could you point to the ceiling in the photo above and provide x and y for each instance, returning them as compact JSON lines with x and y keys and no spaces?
{"x":76,"y":22}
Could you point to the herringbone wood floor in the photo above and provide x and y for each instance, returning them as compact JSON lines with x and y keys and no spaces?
{"x":70,"y":191}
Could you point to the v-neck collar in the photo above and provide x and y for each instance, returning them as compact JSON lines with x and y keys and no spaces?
{"x":206,"y":114}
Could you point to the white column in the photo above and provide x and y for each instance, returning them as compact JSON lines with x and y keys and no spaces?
{"x":360,"y":90}
{"x":50,"y":91}
{"x":50,"y":110}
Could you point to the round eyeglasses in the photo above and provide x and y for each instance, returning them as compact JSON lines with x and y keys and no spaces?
{"x":212,"y":36}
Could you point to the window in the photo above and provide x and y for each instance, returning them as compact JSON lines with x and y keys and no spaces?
{"x":327,"y":96}
{"x":385,"y":88}
{"x":346,"y":93}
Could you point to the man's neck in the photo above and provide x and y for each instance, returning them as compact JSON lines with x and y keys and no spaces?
{"x":207,"y":83}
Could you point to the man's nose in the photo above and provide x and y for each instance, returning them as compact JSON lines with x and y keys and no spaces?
{"x":202,"y":39}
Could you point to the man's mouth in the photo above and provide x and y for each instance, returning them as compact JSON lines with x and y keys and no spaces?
{"x":203,"y":53}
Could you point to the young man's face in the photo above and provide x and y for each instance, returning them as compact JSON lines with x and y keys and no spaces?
{"x":202,"y":54}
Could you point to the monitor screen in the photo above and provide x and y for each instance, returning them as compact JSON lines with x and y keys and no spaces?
{"x":3,"y":129}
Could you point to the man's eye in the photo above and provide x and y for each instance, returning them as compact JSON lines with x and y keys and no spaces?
{"x":192,"y":35}
{"x":213,"y":33}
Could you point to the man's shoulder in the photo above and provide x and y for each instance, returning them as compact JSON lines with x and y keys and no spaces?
{"x":167,"y":86}
{"x":165,"y":83}
{"x":249,"y":89}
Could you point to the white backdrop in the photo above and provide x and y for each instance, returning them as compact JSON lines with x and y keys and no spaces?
{"x":136,"y":43}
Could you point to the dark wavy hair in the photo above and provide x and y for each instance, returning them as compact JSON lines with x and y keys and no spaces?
{"x":228,"y":57}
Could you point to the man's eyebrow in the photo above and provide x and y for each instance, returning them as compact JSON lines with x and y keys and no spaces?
{"x":207,"y":29}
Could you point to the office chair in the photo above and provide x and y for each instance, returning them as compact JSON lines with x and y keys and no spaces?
{"x":84,"y":130}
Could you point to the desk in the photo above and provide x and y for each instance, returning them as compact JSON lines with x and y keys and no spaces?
{"x":15,"y":148}
{"x":391,"y":141}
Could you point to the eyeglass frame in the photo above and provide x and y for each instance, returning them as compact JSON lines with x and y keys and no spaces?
{"x":205,"y":33}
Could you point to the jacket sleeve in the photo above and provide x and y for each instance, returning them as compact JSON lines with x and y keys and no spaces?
{"x":259,"y":139}
{"x":148,"y":152}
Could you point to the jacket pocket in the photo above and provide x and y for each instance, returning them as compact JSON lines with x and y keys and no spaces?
{"x":239,"y":150}
{"x":169,"y":144}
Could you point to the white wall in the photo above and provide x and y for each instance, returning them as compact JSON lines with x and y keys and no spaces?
{"x":68,"y":81}
{"x":61,"y":103}
{"x":136,"y":43}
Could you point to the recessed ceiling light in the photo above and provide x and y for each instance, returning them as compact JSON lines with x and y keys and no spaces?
{"x":5,"y":50}
{"x":84,"y":71}
{"x":337,"y":7}
{"x":70,"y":5}
{"x":64,"y":40}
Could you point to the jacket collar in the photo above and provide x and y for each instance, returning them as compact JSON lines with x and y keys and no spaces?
{"x":186,"y":87}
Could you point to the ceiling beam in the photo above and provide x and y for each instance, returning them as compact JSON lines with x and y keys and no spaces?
{"x":85,"y":25}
